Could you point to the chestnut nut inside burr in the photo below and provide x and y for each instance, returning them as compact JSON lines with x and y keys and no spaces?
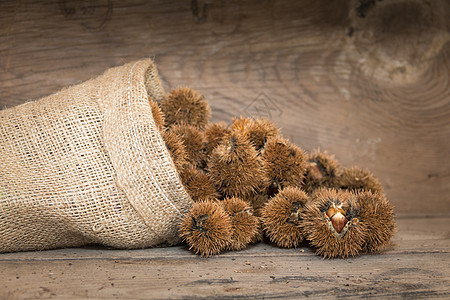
{"x":315,"y":170}
{"x":337,"y":217}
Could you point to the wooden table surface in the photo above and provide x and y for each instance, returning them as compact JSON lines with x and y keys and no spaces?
{"x":416,"y":266}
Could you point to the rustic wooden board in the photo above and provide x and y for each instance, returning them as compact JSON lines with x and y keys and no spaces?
{"x":416,"y":266}
{"x":374,"y":90}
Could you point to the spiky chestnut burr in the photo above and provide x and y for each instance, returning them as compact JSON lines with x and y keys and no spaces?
{"x":244,"y":223}
{"x":259,"y":236}
{"x":198,"y":184}
{"x":257,"y":202}
{"x":236,"y":168}
{"x":194,"y":141}
{"x":322,"y":170}
{"x":258,"y":131}
{"x":285,"y":164}
{"x":215,"y":133}
{"x":158,"y":115}
{"x":207,"y":228}
{"x":281,"y":217}
{"x":176,"y":148}
{"x":187,"y":106}
{"x":332,"y":225}
{"x":378,"y":214}
{"x":356,"y":178}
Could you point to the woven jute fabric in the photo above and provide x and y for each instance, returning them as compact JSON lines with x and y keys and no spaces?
{"x":87,"y":165}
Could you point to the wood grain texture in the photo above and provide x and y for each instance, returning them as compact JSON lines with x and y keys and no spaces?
{"x":416,"y":266}
{"x":374,"y":91}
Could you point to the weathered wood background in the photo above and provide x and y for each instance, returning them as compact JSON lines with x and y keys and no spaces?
{"x":373,"y":90}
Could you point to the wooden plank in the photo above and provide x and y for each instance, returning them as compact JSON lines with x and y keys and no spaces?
{"x":374,"y":90}
{"x":416,"y":266}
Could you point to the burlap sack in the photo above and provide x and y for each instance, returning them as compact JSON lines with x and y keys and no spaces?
{"x":88,"y":165}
